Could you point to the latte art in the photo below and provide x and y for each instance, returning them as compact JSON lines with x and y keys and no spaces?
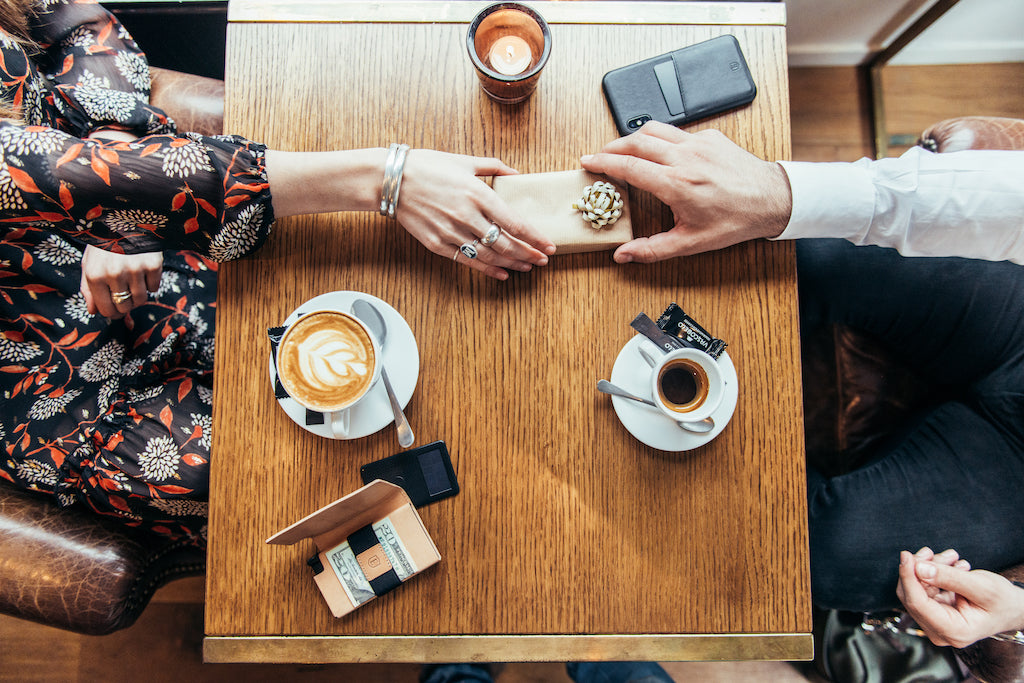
{"x":326,"y":361}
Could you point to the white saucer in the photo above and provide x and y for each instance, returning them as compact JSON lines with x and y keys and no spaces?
{"x":401,"y":359}
{"x":648,"y":424}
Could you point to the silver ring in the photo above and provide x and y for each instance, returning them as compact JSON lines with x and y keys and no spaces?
{"x":121,"y":297}
{"x":491,"y":236}
{"x":456,"y":257}
{"x":469,"y":249}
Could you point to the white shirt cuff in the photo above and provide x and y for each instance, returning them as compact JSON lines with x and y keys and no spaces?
{"x":829,"y":200}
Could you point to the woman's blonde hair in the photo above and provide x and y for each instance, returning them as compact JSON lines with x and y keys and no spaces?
{"x":14,"y":18}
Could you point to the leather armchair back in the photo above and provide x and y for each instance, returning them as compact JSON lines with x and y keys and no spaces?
{"x":196,"y":103}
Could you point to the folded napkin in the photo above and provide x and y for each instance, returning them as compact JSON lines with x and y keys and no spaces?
{"x":544,"y":200}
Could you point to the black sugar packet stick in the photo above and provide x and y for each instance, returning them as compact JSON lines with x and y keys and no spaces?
{"x":675,"y":322}
{"x":650,"y":329}
{"x":688,"y":334}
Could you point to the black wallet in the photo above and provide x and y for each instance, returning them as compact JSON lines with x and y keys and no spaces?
{"x":425,"y":473}
{"x":688,"y":84}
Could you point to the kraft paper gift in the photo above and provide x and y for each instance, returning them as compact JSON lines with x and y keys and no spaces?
{"x":544,"y":200}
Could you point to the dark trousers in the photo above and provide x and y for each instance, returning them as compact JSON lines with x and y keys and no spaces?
{"x":954,"y":476}
{"x":581,"y":672}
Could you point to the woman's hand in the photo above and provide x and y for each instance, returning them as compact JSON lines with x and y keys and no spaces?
{"x":114,"y":284}
{"x":443,"y":204}
{"x":953,"y":604}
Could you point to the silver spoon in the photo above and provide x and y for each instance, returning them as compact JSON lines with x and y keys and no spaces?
{"x":366,"y":312}
{"x":606,"y":387}
{"x":698,"y":427}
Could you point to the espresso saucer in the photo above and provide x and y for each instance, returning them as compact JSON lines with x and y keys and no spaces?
{"x":401,"y":360}
{"x":649,"y":425}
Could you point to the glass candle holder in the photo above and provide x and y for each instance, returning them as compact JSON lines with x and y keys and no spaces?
{"x":508,"y":44}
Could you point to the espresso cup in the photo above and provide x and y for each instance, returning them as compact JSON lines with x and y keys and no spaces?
{"x":687,"y":385}
{"x":327,"y":361}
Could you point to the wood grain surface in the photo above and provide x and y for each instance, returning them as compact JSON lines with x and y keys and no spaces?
{"x":565,"y":523}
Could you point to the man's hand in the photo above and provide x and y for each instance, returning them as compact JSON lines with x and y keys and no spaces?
{"x":719,"y":193}
{"x":105,"y":274}
{"x":954,"y":605}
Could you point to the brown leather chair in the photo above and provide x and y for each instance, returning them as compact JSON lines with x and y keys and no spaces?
{"x":855,"y":393}
{"x":196,"y":103}
{"x":67,"y":567}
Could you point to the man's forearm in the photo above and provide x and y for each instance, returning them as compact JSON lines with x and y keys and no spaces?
{"x":923,"y":204}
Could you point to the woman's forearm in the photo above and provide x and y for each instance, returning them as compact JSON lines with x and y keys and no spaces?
{"x":319,"y":182}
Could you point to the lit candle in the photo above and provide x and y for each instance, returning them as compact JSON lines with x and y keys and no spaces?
{"x":510,"y":55}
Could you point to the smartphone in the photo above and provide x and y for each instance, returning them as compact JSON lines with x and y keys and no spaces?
{"x":678,"y":87}
{"x":425,"y":473}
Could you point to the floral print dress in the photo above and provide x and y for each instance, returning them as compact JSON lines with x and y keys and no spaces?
{"x":112,"y":415}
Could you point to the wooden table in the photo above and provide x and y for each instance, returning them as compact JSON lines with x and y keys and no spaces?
{"x":570,"y":540}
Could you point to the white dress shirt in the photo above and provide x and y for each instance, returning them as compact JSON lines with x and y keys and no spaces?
{"x":922,"y":204}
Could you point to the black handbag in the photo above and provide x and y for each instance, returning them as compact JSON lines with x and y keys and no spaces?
{"x":884,"y":647}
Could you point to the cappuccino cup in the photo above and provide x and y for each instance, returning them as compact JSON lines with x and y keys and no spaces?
{"x":327,"y":361}
{"x":687,"y":385}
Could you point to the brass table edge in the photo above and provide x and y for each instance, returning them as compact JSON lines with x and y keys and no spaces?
{"x":509,"y":648}
{"x":430,"y":11}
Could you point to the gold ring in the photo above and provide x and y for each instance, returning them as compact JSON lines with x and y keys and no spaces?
{"x":121,"y":297}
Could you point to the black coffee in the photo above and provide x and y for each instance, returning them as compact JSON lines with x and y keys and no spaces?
{"x":682,"y":385}
{"x":679,"y":385}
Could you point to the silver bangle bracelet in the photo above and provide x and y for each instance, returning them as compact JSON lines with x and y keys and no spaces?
{"x":386,"y":189}
{"x":393,"y":168}
{"x":403,"y":151}
{"x":1010,"y":637}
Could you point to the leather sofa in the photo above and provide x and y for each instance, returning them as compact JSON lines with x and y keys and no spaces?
{"x":69,"y":568}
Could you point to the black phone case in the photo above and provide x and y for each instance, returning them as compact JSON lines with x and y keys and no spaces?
{"x":425,"y":473}
{"x":678,"y":87}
